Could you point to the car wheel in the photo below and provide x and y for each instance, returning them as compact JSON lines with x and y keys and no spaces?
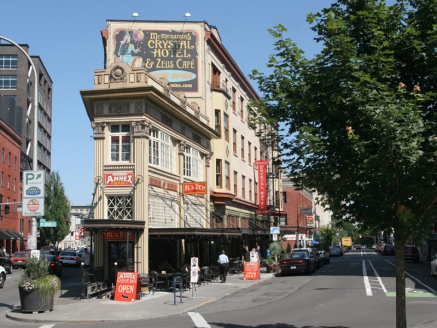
{"x":2,"y":280}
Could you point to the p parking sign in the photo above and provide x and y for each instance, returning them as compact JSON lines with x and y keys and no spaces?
{"x":33,"y":193}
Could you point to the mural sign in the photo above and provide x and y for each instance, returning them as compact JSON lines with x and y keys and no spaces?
{"x":168,"y":54}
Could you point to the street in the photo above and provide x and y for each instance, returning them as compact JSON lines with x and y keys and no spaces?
{"x":356,"y":290}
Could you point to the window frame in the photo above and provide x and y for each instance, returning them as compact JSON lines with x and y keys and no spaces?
{"x":226,"y":126}
{"x":227,"y":176}
{"x":234,"y":141}
{"x":217,"y":121}
{"x":218,"y":173}
{"x":161,"y":150}
{"x":193,"y":163}
{"x":119,"y":148}
{"x":235,"y":183}
{"x":242,"y":146}
{"x":8,"y":82}
{"x":243,"y":186}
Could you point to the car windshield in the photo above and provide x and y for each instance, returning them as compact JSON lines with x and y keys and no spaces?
{"x":21,"y":255}
{"x":68,"y":254}
{"x":299,"y":255}
{"x":49,"y":257}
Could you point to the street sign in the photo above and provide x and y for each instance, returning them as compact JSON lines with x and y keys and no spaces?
{"x":274,"y":230}
{"x":306,"y":210}
{"x":33,"y":193}
{"x":46,"y":224}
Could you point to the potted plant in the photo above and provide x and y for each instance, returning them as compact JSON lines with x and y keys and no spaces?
{"x":269,"y":264}
{"x":37,"y":287}
{"x":275,"y":251}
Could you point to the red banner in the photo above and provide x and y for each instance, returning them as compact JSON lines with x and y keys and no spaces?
{"x":117,"y":235}
{"x":126,"y":287}
{"x":119,"y":179}
{"x":194,"y":188}
{"x":251,"y":270}
{"x":262,"y":195}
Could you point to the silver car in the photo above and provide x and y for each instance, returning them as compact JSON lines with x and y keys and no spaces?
{"x":70,"y":258}
{"x":434,"y":266}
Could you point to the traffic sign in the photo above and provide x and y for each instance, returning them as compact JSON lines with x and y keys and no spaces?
{"x":274,"y":230}
{"x":46,"y":224}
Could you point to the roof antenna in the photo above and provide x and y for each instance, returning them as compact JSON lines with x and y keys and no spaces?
{"x":186,"y":16}
{"x":134,"y":15}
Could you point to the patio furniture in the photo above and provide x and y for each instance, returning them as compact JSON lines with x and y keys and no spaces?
{"x":159,"y":280}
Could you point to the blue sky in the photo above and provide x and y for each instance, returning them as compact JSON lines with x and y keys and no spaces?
{"x":66,"y":35}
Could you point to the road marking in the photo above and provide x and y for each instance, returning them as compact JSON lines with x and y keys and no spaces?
{"x":423,"y":294}
{"x":198,"y":320}
{"x":366,"y":280}
{"x":378,"y":277}
{"x":429,"y":288}
{"x":47,"y":326}
{"x":363,"y":253}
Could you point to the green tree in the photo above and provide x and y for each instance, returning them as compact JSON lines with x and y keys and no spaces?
{"x":276,"y":250}
{"x":288,"y":250}
{"x":328,"y":237}
{"x":57,"y":208}
{"x":361,"y":116}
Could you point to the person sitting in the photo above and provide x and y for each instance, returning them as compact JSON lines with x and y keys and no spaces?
{"x":184,"y":267}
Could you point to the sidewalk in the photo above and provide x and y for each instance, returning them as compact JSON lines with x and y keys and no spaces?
{"x":150,"y":306}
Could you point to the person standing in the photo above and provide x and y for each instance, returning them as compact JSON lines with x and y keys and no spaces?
{"x":86,"y":258}
{"x":258,"y":250}
{"x":254,"y":256}
{"x":246,"y":255}
{"x":223,"y":260}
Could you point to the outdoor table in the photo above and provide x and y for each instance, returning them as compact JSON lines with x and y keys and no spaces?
{"x":171,"y":276}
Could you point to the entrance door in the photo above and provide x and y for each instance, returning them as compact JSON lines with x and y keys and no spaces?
{"x":122,"y":253}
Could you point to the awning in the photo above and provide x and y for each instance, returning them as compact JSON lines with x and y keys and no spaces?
{"x":6,"y":235}
{"x":247,"y":231}
{"x":17,"y":235}
{"x":90,"y":224}
{"x":187,"y":232}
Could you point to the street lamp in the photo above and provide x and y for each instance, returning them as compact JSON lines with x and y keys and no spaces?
{"x":35,"y":130}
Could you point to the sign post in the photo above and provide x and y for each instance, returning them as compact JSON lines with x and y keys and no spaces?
{"x":194,"y":273}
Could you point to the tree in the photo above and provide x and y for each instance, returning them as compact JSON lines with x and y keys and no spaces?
{"x":57,"y":208}
{"x":329,"y":235}
{"x":276,"y":251}
{"x":359,"y":119}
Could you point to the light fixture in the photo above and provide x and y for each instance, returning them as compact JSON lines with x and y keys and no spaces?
{"x":102,"y":187}
{"x":135,"y":15}
{"x":187,"y":15}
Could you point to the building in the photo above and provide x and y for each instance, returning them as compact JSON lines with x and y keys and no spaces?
{"x":175,"y":172}
{"x":13,"y":227}
{"x":77,"y":236}
{"x":17,"y":83}
{"x":298,"y":223}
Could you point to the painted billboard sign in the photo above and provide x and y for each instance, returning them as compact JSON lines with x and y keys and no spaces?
{"x":262,"y":192}
{"x":169,"y":54}
{"x":119,"y":179}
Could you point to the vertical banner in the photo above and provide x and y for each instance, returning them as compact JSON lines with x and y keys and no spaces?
{"x":251,"y":270}
{"x":262,"y":175}
{"x":194,"y":276}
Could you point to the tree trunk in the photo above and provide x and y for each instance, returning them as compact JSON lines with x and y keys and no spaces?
{"x":401,"y":314}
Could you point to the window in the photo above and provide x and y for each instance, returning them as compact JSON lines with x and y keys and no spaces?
{"x":3,"y":155}
{"x":242,"y":147}
{"x":234,"y":141}
{"x":241,"y":108}
{"x":243,"y":186}
{"x":193,"y":165}
{"x":250,"y":189}
{"x":254,"y":153}
{"x":161,"y":150}
{"x":215,"y":77}
{"x":249,"y":152}
{"x":120,"y":207}
{"x":15,"y":163}
{"x":227,"y":177}
{"x":234,"y":97}
{"x":218,"y":173}
{"x":8,"y":82}
{"x":9,"y":182}
{"x":9,"y":159}
{"x":15,"y":184}
{"x":235,"y":183}
{"x":284,"y":197}
{"x":226,"y":126}
{"x":217,"y":117}
{"x":8,"y":61}
{"x":120,"y":143}
{"x":2,"y":177}
{"x":256,"y":193}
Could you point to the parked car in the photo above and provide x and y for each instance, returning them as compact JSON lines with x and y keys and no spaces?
{"x":19,"y":259}
{"x":2,"y":276}
{"x":6,"y":262}
{"x":55,"y":266}
{"x":412,"y":253}
{"x":70,"y":258}
{"x":325,"y":257}
{"x":313,"y":252}
{"x":335,"y":251}
{"x":433,"y":266}
{"x":388,"y":249}
{"x":299,"y":261}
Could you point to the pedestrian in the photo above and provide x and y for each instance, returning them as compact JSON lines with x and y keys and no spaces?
{"x":86,"y":258}
{"x":4,"y":251}
{"x":223,"y":260}
{"x":258,"y":250}
{"x":254,"y":256}
{"x":246,"y":255}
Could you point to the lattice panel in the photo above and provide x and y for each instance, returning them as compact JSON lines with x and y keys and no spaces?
{"x":162,"y":213}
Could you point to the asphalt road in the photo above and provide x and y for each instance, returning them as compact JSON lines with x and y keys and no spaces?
{"x":354,"y":291}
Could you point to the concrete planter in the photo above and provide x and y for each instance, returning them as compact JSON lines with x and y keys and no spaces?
{"x":33,"y":301}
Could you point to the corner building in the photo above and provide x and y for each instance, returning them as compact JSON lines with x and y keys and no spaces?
{"x":174,"y":168}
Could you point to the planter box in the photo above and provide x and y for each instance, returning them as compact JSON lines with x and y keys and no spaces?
{"x":33,"y":302}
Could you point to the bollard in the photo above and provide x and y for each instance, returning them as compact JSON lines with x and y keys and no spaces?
{"x":174,"y":288}
{"x":83,"y":283}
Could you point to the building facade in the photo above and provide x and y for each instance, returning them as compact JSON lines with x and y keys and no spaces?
{"x":175,"y":172}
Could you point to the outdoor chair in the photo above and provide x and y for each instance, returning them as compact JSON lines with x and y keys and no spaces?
{"x":215,"y":273}
{"x":146,"y":280}
{"x":159,"y":280}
